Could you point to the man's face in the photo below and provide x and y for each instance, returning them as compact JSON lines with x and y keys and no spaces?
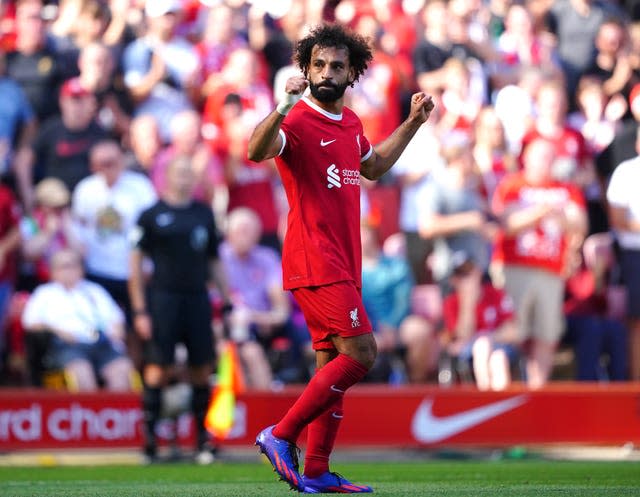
{"x":77,"y":111}
{"x":107,"y":160}
{"x":538,"y":161}
{"x":329,"y":73}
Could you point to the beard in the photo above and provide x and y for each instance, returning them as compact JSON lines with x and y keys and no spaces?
{"x":327,"y":92}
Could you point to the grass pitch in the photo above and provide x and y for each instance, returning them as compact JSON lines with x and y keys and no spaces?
{"x":431,"y":478}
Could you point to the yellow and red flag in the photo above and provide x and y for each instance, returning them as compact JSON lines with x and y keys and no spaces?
{"x":230,"y":382}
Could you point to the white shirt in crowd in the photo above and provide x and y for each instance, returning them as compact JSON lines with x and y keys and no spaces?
{"x":622,"y":192}
{"x":79,"y":311}
{"x":106,"y":216}
{"x":420,"y":157}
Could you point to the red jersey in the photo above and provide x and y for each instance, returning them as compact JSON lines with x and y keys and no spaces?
{"x":544,"y":245}
{"x":570,"y":145}
{"x":493,"y":309}
{"x":320,"y":170}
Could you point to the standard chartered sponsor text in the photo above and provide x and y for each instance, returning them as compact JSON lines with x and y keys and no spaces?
{"x":73,"y":422}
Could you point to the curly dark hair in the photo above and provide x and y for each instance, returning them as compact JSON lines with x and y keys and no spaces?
{"x":334,"y":35}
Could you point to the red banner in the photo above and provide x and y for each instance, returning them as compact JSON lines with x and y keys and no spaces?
{"x":374,"y":416}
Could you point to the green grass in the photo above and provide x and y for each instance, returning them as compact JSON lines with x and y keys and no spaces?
{"x":522,"y":478}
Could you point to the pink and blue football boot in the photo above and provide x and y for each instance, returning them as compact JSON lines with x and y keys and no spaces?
{"x":333,"y":483}
{"x":283,"y":456}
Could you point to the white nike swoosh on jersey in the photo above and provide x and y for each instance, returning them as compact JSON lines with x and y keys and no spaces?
{"x":324,"y":143}
{"x":426,"y":427}
{"x":336,"y":389}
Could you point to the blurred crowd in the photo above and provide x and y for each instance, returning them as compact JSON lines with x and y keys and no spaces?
{"x":507,"y":232}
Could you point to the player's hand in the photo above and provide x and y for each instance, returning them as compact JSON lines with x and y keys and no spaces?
{"x":421,"y":107}
{"x":294,"y":89}
{"x":296,"y":85}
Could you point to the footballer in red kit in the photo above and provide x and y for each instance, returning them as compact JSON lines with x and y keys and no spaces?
{"x":321,"y":152}
{"x":320,"y":170}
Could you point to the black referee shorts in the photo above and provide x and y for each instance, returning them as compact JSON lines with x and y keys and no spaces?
{"x":179,"y":318}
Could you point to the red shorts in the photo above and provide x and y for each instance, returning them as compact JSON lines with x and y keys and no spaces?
{"x":334,"y":309}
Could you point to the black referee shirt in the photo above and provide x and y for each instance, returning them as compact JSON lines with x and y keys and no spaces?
{"x":181,"y":241}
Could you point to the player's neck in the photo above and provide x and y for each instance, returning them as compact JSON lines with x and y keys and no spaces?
{"x":330,"y":107}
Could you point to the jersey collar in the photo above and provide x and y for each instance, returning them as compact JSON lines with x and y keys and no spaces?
{"x":334,"y":117}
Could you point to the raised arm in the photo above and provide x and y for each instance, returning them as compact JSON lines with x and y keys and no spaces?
{"x":265,"y":141}
{"x":387,"y":152}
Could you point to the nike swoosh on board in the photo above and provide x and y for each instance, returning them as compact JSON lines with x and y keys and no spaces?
{"x":426,"y":427}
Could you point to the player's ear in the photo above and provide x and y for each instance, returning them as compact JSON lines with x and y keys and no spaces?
{"x":352,"y":77}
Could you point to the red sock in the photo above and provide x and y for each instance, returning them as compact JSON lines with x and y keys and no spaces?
{"x":321,"y":435}
{"x":324,"y":390}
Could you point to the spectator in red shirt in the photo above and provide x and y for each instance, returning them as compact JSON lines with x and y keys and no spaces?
{"x":479,"y":325}
{"x":573,"y":160}
{"x":543,"y":223}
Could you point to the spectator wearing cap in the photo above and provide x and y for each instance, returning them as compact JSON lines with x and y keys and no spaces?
{"x":46,"y":230}
{"x":161,"y":69}
{"x":37,"y":67}
{"x":61,"y":146}
{"x":479,"y":325}
{"x":543,"y":222}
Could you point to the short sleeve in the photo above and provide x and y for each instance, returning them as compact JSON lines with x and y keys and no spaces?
{"x":366,"y":149}
{"x":618,"y":189}
{"x":141,"y":236}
